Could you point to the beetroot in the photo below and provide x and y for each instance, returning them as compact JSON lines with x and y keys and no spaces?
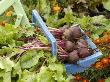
{"x":76,"y":32}
{"x":69,"y":46}
{"x":72,"y":33}
{"x":73,"y":56}
{"x":67,"y":34}
{"x":83,"y":42}
{"x":80,"y":45}
{"x":73,"y":44}
{"x":64,"y":28}
{"x":83,"y":52}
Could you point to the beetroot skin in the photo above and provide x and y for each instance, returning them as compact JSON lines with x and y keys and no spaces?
{"x":83,"y":42}
{"x":76,"y":32}
{"x":73,"y":56}
{"x":83,"y":52}
{"x":69,"y":46}
{"x":80,"y":45}
{"x":67,"y":34}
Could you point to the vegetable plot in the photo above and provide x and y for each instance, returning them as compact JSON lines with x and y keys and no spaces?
{"x":25,"y":53}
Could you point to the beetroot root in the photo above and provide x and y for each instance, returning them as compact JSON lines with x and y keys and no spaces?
{"x":83,"y":41}
{"x":73,"y":56}
{"x":69,"y":46}
{"x":83,"y":52}
{"x":76,"y":32}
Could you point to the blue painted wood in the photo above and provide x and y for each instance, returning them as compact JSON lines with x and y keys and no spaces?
{"x":38,"y":20}
{"x":90,"y":43}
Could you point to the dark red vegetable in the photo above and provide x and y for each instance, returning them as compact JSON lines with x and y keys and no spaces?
{"x":80,"y":45}
{"x":83,"y":41}
{"x":69,"y":46}
{"x":83,"y":52}
{"x":73,"y":56}
{"x":76,"y":32}
{"x":72,"y":34}
{"x":73,"y":43}
{"x":64,"y":27}
{"x":67,"y":35}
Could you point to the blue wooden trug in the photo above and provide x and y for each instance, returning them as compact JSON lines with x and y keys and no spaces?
{"x":38,"y":20}
{"x":70,"y":68}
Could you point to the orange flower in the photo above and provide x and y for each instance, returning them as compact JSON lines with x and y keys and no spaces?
{"x":56,"y":8}
{"x":109,"y":61}
{"x":78,"y":77}
{"x":101,"y":80}
{"x":105,"y":33}
{"x":85,"y":80}
{"x":105,"y":61}
{"x":109,"y":39}
{"x":99,"y":65}
{"x":108,"y":56}
{"x":9,"y":13}
{"x":97,"y":41}
{"x":4,"y":23}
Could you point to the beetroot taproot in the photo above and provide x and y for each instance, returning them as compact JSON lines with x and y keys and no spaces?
{"x":83,"y":52}
{"x":83,"y":41}
{"x":76,"y":32}
{"x":73,"y":56}
{"x":69,"y":46}
{"x":67,"y":34}
{"x":80,"y":45}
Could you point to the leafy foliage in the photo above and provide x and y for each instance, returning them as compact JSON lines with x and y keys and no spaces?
{"x":31,"y":58}
{"x":106,"y":4}
{"x":18,"y":65}
{"x":49,"y":73}
{"x":107,"y":80}
{"x":9,"y":36}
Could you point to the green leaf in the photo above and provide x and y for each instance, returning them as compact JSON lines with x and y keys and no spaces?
{"x":52,"y":60}
{"x":99,"y":19}
{"x":15,"y":51}
{"x":27,"y":77}
{"x":59,"y":70}
{"x":107,"y":80}
{"x":1,"y":79}
{"x":69,"y":18}
{"x":43,"y":7}
{"x":95,"y":36}
{"x":2,"y":18}
{"x":17,"y":69}
{"x":7,"y":77}
{"x":43,"y":39}
{"x":31,"y":58}
{"x":59,"y":77}
{"x":71,"y":78}
{"x":45,"y":75}
{"x":99,"y":31}
{"x":6,"y":63}
{"x":106,"y":4}
{"x":56,"y":67}
{"x":2,"y":72}
{"x":1,"y":65}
